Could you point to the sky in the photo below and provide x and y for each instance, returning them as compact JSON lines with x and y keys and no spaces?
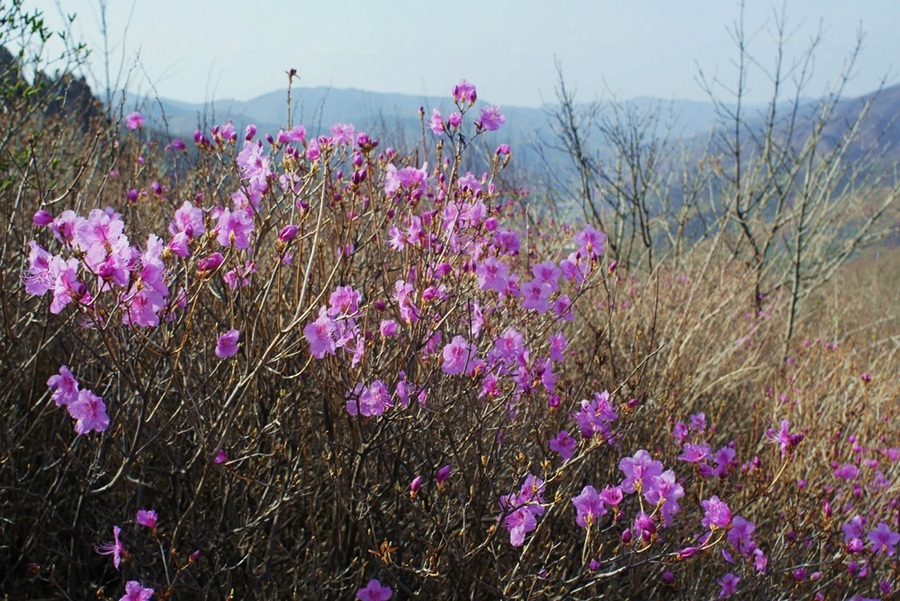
{"x":202,"y":50}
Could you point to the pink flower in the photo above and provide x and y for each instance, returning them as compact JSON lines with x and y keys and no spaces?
{"x":716,"y":513}
{"x":729,"y":583}
{"x":189,"y":220}
{"x":374,"y":591}
{"x":68,"y":288}
{"x":588,"y":506}
{"x":227,"y":344}
{"x":89,"y":411}
{"x":492,"y":275}
{"x":65,"y":387}
{"x":321,"y":335}
{"x":519,"y":523}
{"x":459,"y":357}
{"x":884,"y":540}
{"x":134,"y":120}
{"x":638,"y":470}
{"x":741,"y":534}
{"x":590,"y":241}
{"x":210,"y":263}
{"x":220,"y":457}
{"x":490,"y":119}
{"x":134,"y":591}
{"x":146,"y":518}
{"x":388,"y":328}
{"x":663,"y":491}
{"x":436,"y":124}
{"x":786,"y":441}
{"x":115,"y":548}
{"x":464,"y":92}
{"x":536,"y":295}
{"x":563,"y":444}
{"x":234,"y":228}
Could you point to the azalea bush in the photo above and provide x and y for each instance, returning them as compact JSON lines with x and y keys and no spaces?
{"x":286,"y":365}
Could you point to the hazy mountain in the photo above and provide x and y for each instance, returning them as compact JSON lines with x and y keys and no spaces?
{"x":395,"y":118}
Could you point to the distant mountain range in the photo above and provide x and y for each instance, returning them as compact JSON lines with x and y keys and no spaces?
{"x":395,"y":117}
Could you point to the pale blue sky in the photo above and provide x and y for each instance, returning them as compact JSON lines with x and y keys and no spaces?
{"x":197,"y":50}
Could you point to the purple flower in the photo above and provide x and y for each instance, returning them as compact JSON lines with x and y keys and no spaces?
{"x":563,"y":444}
{"x":42,"y":218}
{"x":695,"y":453}
{"x":464,"y":92}
{"x":740,"y":535}
{"x":134,"y":120}
{"x":388,"y":328}
{"x":321,"y":335}
{"x":372,"y":401}
{"x":663,"y":491}
{"x":146,"y":518}
{"x":374,"y":591}
{"x":846,"y":472}
{"x":536,"y":295}
{"x":134,"y":591}
{"x":786,"y":441}
{"x":227,"y":344}
{"x":234,"y":228}
{"x":490,"y":119}
{"x":65,"y":387}
{"x":644,"y":528}
{"x":459,"y":357}
{"x":519,"y":523}
{"x":288,"y":233}
{"x":884,"y":540}
{"x":89,"y":411}
{"x":589,"y":507}
{"x":638,"y":470}
{"x":210,"y":263}
{"x":414,"y":487}
{"x":436,"y":124}
{"x":220,"y":457}
{"x":115,"y":548}
{"x":442,"y":475}
{"x":492,"y":275}
{"x":729,"y":583}
{"x":590,"y":241}
{"x":716,"y":513}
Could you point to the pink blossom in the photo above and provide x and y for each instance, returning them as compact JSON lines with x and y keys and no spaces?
{"x":68,"y":287}
{"x":459,"y":357}
{"x":65,"y":387}
{"x":716,"y":513}
{"x":115,"y":548}
{"x":563,"y":444}
{"x":638,"y":470}
{"x":490,"y":119}
{"x":374,"y":591}
{"x":536,"y":295}
{"x":728,"y":584}
{"x":321,"y":335}
{"x":590,"y":241}
{"x":492,"y":274}
{"x":388,"y":328}
{"x":557,"y":346}
{"x":234,"y":228}
{"x":588,"y":506}
{"x":227,"y":344}
{"x":134,"y":591}
{"x":134,"y":120}
{"x":146,"y":518}
{"x":89,"y":411}
{"x":663,"y":491}
{"x":436,"y":124}
{"x":464,"y":93}
{"x":884,"y":540}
